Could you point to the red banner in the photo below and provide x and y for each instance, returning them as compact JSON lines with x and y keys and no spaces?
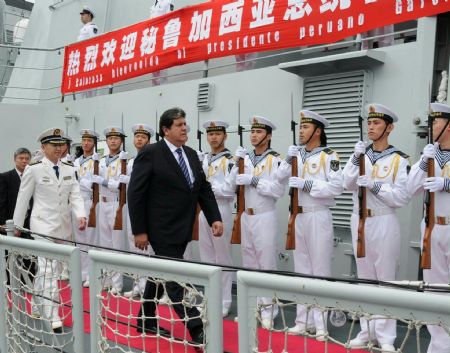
{"x":221,"y":28}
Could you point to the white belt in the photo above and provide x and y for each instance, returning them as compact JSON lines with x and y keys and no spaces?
{"x":109,"y":199}
{"x":308,"y":209}
{"x":258,"y":210}
{"x":443,"y":221}
{"x":375,"y":212}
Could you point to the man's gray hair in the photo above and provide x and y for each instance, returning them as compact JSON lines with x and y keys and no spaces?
{"x":22,"y":150}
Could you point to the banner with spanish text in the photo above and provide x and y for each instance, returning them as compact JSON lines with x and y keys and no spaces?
{"x":223,"y":27}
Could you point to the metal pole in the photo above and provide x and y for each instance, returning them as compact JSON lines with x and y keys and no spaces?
{"x":77,"y":301}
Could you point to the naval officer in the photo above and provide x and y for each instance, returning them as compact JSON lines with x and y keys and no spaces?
{"x":56,"y":194}
{"x":89,"y":29}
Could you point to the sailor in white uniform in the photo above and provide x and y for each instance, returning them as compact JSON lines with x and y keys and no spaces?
{"x":319,"y":181}
{"x":259,"y":223}
{"x":142,"y":136}
{"x":89,"y":29}
{"x":56,"y":194}
{"x":160,"y":8}
{"x":110,"y":177}
{"x":385,"y":181}
{"x":217,"y":165}
{"x":84,"y":166}
{"x":440,"y":186}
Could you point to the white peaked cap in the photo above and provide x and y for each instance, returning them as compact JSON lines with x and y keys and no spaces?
{"x":143,"y":129}
{"x":308,"y":116}
{"x":380,"y":111}
{"x":261,"y":122}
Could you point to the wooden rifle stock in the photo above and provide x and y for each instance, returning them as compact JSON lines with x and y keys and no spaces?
{"x":361,"y":241}
{"x":92,"y":222}
{"x":425,"y":262}
{"x":195,"y":230}
{"x":118,"y":222}
{"x":236,"y":233}
{"x":290,"y":240}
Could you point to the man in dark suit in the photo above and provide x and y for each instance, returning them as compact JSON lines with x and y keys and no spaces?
{"x":166,"y":184}
{"x":9,"y":189}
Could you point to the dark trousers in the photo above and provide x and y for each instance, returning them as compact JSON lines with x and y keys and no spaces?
{"x":174,"y":291}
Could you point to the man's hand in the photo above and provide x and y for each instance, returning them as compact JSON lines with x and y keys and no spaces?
{"x":141,"y":241}
{"x":217,"y":228}
{"x":82,"y":223}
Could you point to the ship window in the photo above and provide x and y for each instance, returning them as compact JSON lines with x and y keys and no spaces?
{"x":339,"y":98}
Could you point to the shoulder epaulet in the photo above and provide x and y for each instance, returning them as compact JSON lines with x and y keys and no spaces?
{"x":328,"y":150}
{"x":402,"y":154}
{"x":35,"y":163}
{"x":229,"y":156}
{"x":67,"y":163}
{"x":274,"y":153}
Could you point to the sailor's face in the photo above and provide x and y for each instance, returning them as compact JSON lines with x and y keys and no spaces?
{"x":438,"y":125}
{"x":113,"y":143}
{"x":306,"y":130}
{"x":87,"y":144}
{"x":216,"y":138}
{"x":85,"y":18}
{"x":376,"y":127}
{"x":140,"y":140}
{"x":258,"y":135}
{"x":52,"y":151}
{"x":177,"y":133}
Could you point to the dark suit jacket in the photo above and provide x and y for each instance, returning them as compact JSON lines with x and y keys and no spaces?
{"x":9,"y":189}
{"x":160,"y":201}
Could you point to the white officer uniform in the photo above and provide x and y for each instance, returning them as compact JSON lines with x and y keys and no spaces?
{"x":388,"y":173}
{"x":139,"y":286}
{"x":110,"y":171}
{"x":440,"y":237}
{"x":90,"y":29}
{"x":84,"y":167}
{"x":322,"y":180}
{"x":54,"y":198}
{"x":259,"y":223}
{"x":218,"y":249}
{"x":160,"y":8}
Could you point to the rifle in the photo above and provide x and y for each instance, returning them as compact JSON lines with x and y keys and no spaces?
{"x":92,"y":222}
{"x":361,"y":241}
{"x":425,"y":261}
{"x":195,"y":230}
{"x":293,"y":192}
{"x":236,"y":233}
{"x":118,"y":222}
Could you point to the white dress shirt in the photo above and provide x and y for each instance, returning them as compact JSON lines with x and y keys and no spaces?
{"x":173,"y":149}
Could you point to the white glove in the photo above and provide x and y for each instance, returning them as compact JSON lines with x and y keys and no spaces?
{"x":360,"y":148}
{"x":214,"y":188}
{"x":113,"y":184}
{"x":124,"y":179}
{"x":434,"y":184}
{"x":296,"y":182}
{"x":123,"y":155}
{"x":244,"y":179}
{"x":292,"y":151}
{"x":365,"y":182}
{"x":241,"y":152}
{"x":429,"y":152}
{"x":86,"y":183}
{"x":201,"y":155}
{"x":70,"y":158}
{"x":97,"y":179}
{"x":95,"y":157}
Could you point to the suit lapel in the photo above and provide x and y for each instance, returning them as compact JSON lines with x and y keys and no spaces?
{"x":168,"y":155}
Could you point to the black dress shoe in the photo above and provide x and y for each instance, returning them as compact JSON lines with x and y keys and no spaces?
{"x":153,"y":330}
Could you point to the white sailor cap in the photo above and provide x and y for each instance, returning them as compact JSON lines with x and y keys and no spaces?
{"x":380,"y":111}
{"x":143,"y":129}
{"x":215,"y":125}
{"x":440,"y":110}
{"x":114,"y":131}
{"x":87,"y":133}
{"x":87,"y":10}
{"x":260,"y":122}
{"x":308,"y":116}
{"x":55,"y":135}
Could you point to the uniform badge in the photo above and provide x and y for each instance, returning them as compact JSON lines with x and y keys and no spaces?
{"x":67,"y":177}
{"x":385,"y":168}
{"x":314,"y":165}
{"x":334,"y":165}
